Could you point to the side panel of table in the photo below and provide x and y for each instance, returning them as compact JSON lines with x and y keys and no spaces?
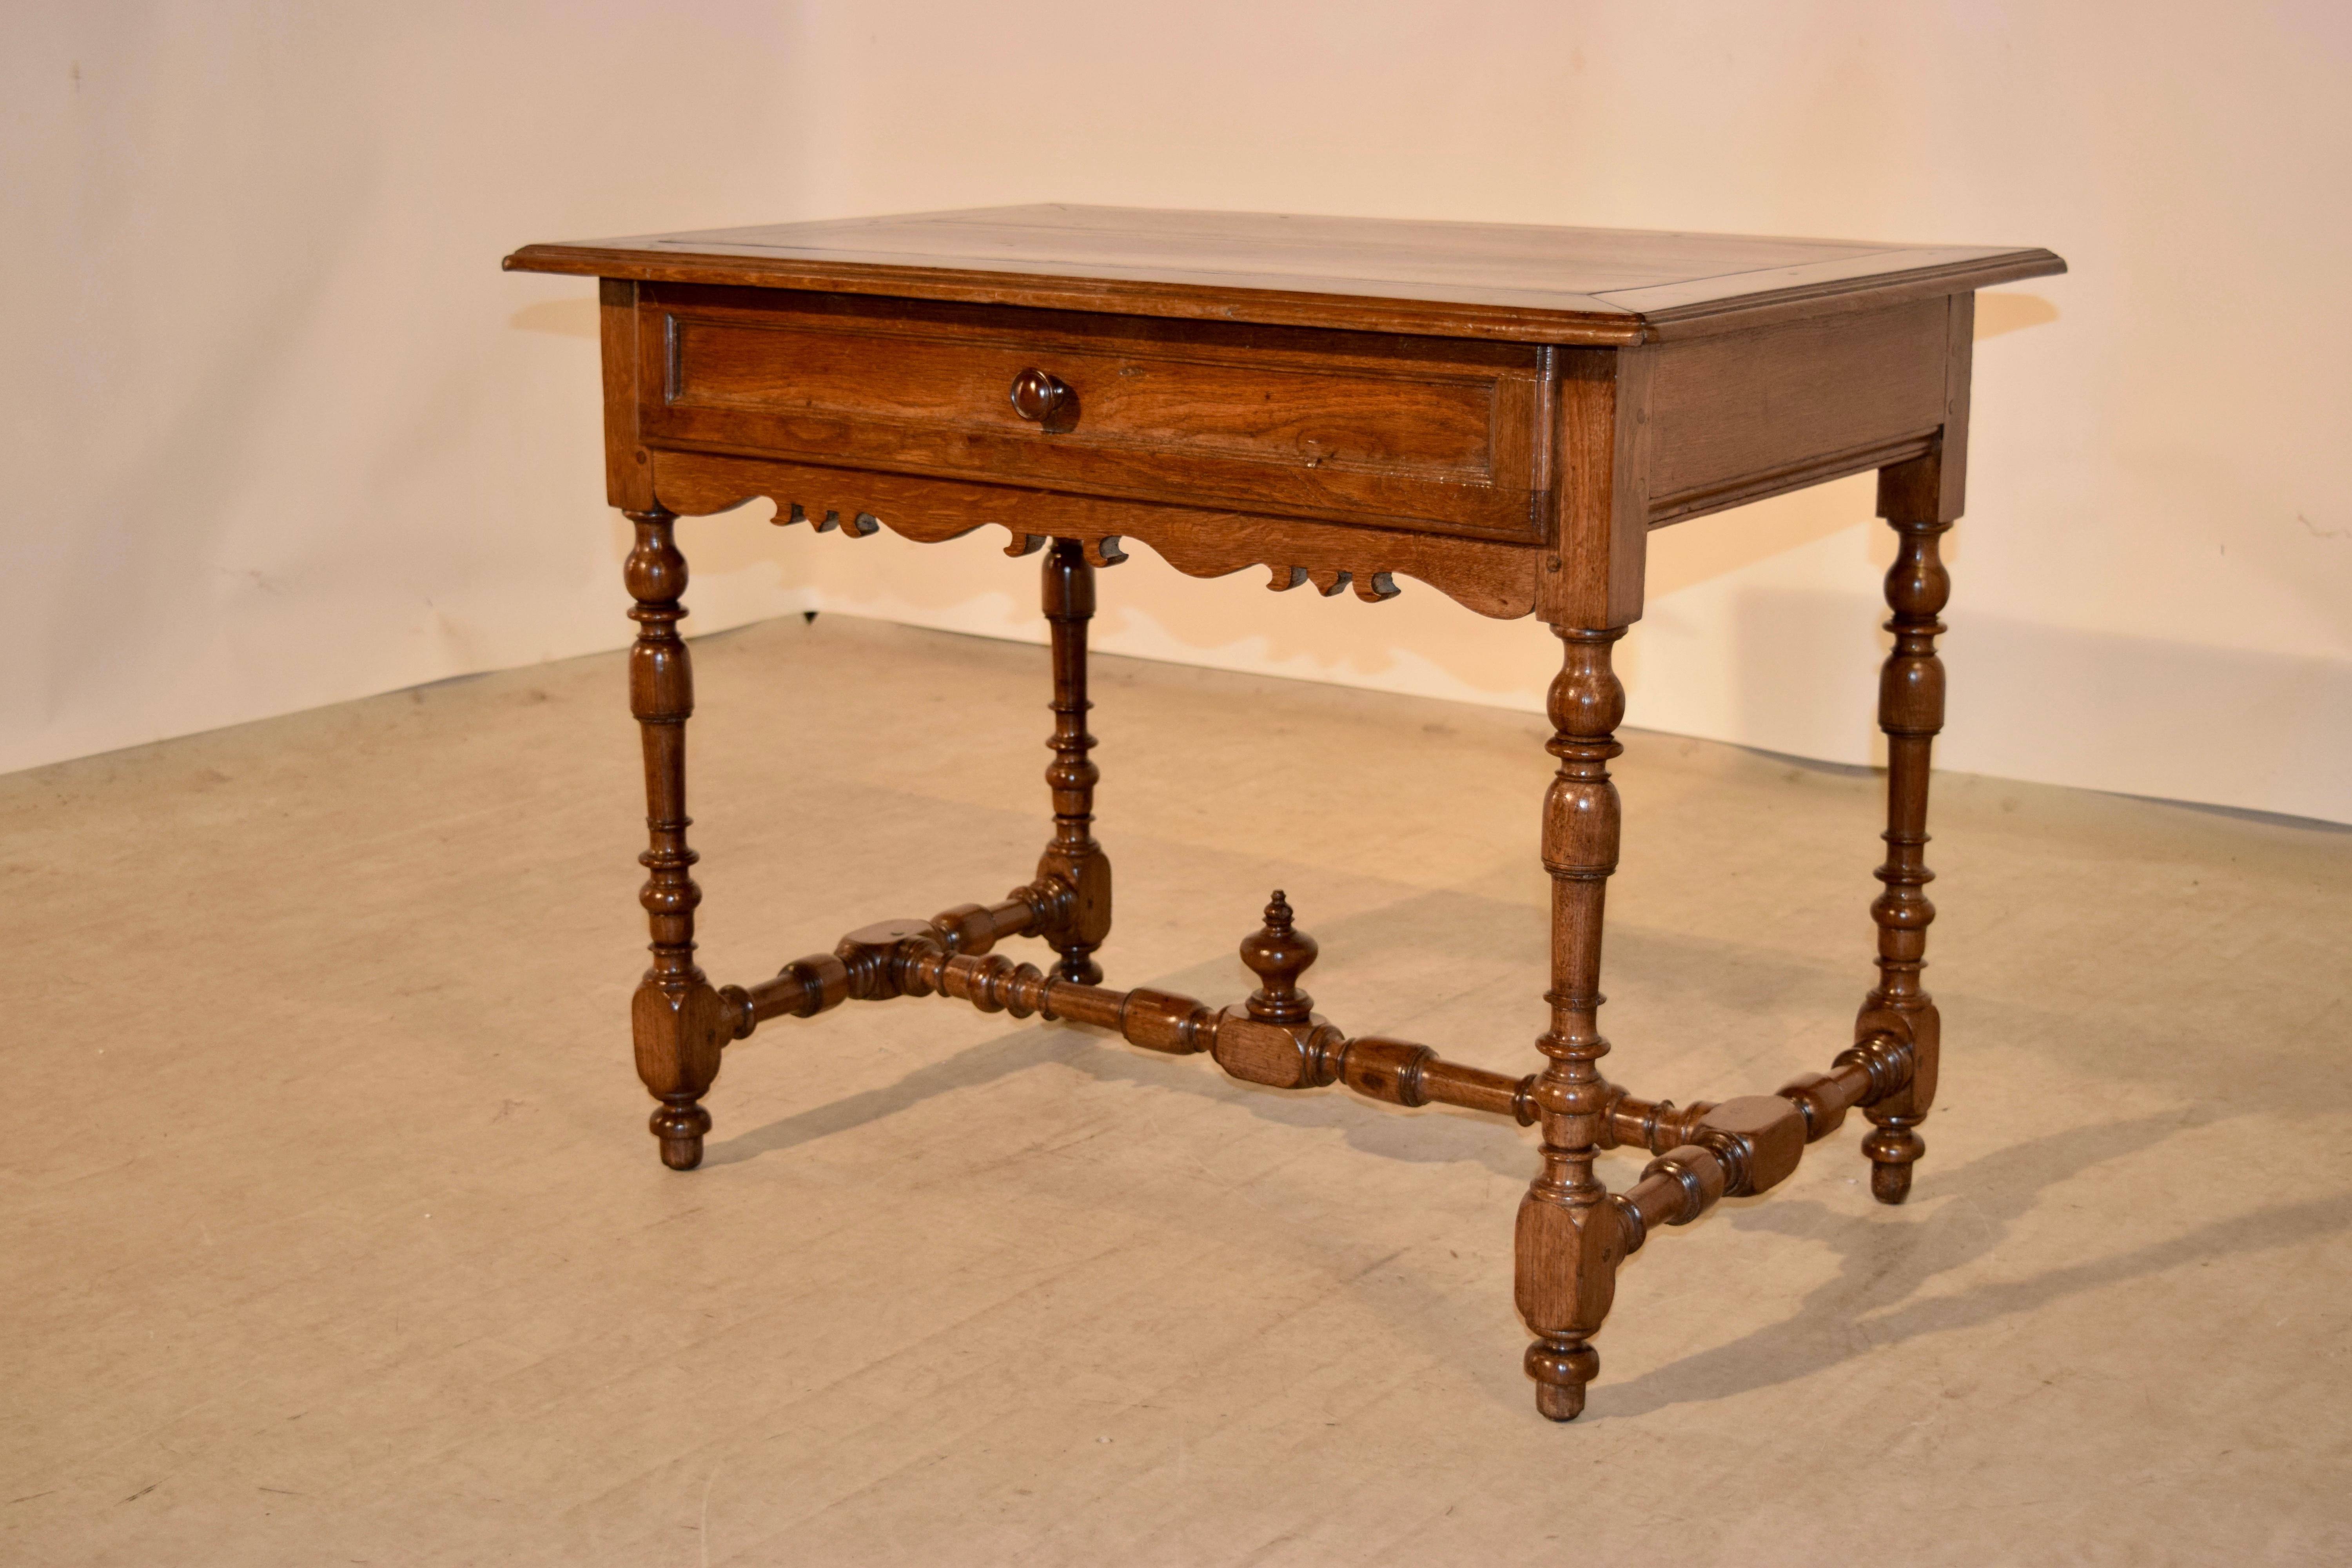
{"x":1662,"y":433}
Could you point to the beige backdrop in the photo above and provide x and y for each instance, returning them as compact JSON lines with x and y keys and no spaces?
{"x":285,"y":435}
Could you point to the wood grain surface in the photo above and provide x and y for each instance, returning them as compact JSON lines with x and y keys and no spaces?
{"x":1525,"y":282}
{"x":1438,"y":433}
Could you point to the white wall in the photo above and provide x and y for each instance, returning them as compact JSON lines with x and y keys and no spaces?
{"x":291,"y":437}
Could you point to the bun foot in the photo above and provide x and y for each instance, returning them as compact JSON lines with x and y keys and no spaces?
{"x":1561,"y":1368}
{"x":1892,"y":1151}
{"x":680,"y":1128}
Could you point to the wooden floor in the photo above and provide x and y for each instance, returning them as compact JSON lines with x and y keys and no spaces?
{"x":331,"y":1232}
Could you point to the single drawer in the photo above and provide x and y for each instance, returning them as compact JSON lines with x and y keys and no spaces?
{"x":1344,"y":427}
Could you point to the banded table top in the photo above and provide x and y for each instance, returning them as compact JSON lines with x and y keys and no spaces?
{"x":1522,"y":282}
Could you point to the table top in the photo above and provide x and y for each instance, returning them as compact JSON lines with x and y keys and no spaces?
{"x":1519,"y":282}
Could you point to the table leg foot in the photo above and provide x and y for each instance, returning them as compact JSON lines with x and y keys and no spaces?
{"x":1893,"y":1150}
{"x":1561,"y":1368}
{"x":680,"y":1124}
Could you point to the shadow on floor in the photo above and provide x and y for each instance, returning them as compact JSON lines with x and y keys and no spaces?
{"x":967,"y":1069}
{"x":1873,"y":1301}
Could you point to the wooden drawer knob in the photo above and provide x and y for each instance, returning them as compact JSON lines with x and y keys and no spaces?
{"x":1038,"y":396}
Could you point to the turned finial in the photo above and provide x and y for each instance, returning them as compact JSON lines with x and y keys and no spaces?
{"x":1278,"y":955}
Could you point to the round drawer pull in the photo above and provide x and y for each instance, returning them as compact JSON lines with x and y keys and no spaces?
{"x":1038,"y":396}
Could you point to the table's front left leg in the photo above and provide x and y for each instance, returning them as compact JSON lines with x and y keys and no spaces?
{"x":680,"y":1023}
{"x":1569,"y":1238}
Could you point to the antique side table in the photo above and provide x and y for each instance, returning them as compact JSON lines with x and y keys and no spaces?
{"x":1503,"y":413}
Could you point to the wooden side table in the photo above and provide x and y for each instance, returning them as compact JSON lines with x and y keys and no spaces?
{"x":1503,"y":413}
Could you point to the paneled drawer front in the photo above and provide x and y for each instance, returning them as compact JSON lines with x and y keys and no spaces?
{"x":1348,"y":426}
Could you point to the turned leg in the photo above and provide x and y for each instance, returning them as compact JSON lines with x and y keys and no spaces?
{"x":1073,"y":860}
{"x":1911,"y":710}
{"x":1570,"y":1239}
{"x":680,"y":1022}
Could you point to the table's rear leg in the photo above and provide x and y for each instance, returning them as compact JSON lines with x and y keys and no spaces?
{"x":1073,"y":859}
{"x":1568,"y":1240}
{"x":680,"y":1022}
{"x":1911,"y":711}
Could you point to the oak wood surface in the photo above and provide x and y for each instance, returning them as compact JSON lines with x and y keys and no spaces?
{"x":628,"y":475}
{"x":1523,"y":282}
{"x":1073,"y":866}
{"x":1726,"y":412}
{"x":677,"y":1020}
{"x":1337,"y":425}
{"x":1911,"y":713}
{"x":1279,"y":445}
{"x":1569,"y":1238}
{"x":1600,"y":521}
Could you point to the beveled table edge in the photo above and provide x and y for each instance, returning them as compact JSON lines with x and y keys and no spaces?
{"x":1594,"y":321}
